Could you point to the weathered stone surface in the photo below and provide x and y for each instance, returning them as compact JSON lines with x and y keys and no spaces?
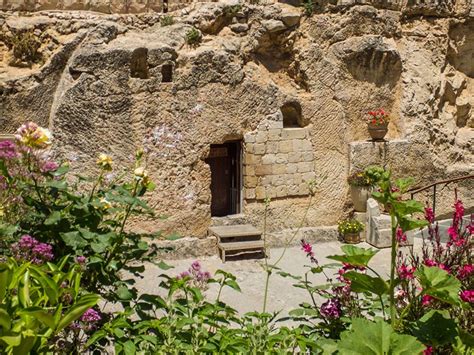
{"x":344,"y":60}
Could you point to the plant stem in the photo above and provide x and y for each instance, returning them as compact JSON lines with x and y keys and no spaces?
{"x":392,"y":268}
{"x":265,"y":296}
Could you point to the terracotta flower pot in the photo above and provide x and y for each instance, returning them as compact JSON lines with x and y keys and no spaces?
{"x":352,"y":238}
{"x":359,"y":196}
{"x":378,"y":132}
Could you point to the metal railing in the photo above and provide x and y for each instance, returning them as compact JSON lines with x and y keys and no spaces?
{"x":416,"y":190}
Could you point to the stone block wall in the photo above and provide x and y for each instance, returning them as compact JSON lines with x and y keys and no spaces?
{"x":278,"y":162}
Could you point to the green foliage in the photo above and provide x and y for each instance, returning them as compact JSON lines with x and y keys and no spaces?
{"x":365,"y":283}
{"x":193,"y":37}
{"x":350,"y":226}
{"x":375,"y":338}
{"x":436,"y":328}
{"x":232,"y":10}
{"x":308,"y":7}
{"x":166,"y":20}
{"x":439,"y":284}
{"x":25,"y":46}
{"x":37,"y":303}
{"x":354,"y":255}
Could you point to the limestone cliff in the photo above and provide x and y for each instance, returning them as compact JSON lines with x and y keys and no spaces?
{"x":111,"y":83}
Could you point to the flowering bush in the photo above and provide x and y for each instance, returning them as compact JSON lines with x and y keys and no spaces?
{"x":378,"y":117}
{"x":350,"y":226}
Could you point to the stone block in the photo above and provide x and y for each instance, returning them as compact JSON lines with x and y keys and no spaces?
{"x":261,"y":170}
{"x":274,"y":134}
{"x":291,"y":168}
{"x":272,"y":147}
{"x":262,"y":137}
{"x":250,"y":181}
{"x":285,"y":146}
{"x":249,"y":148}
{"x":297,"y":178}
{"x":279,"y":169}
{"x":259,"y":148}
{"x":266,"y":180}
{"x":305,"y":167}
{"x":249,"y":137}
{"x":373,"y":209}
{"x":293,"y":190}
{"x":293,"y":133}
{"x":303,"y":189}
{"x":381,"y":239}
{"x":310,"y":176}
{"x":269,"y":159}
{"x":249,"y":170}
{"x":260,"y":193}
{"x":294,"y":157}
{"x":278,"y":180}
{"x":281,"y":158}
{"x":281,"y":191}
{"x":307,"y":156}
{"x":302,"y":145}
{"x":250,"y":194}
{"x":252,"y":159}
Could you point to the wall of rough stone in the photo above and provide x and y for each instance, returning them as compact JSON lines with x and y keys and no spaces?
{"x":337,"y":65}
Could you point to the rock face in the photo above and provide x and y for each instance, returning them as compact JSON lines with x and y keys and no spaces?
{"x":293,"y":90}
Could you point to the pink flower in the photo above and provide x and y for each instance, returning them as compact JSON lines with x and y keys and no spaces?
{"x":465,"y":271}
{"x":401,"y":237}
{"x":429,"y":214}
{"x":81,"y":260}
{"x":30,"y":249}
{"x":91,"y":316}
{"x":467,"y":296}
{"x":426,"y":300}
{"x":196,"y":266}
{"x":307,"y":248}
{"x":405,"y":272}
{"x":8,"y":150}
{"x":458,"y":211}
{"x":49,"y":166}
{"x":428,"y":350}
{"x":430,"y":262}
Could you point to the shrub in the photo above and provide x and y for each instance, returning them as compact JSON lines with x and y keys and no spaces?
{"x":39,"y":305}
{"x":166,"y":20}
{"x":308,"y":7}
{"x":370,"y":176}
{"x":193,"y":37}
{"x":350,"y":226}
{"x":232,"y":10}
{"x":25,"y":46}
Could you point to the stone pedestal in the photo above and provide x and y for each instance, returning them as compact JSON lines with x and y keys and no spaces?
{"x":362,"y":218}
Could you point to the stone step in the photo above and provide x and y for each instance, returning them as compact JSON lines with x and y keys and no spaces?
{"x":243,"y":231}
{"x":230,"y":220}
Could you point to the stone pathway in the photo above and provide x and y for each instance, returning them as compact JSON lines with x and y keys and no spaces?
{"x":251,"y":277}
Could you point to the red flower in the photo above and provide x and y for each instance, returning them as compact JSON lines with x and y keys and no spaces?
{"x":428,"y":350}
{"x":405,"y":272}
{"x":465,"y":271}
{"x":426,"y":300}
{"x":429,"y":214}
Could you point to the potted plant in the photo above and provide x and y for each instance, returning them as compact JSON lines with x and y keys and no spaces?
{"x":350,"y":230}
{"x":378,"y":124}
{"x":362,"y":182}
{"x":360,"y":190}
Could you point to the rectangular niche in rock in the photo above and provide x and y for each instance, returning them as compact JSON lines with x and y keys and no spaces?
{"x":139,"y":64}
{"x":167,"y":73}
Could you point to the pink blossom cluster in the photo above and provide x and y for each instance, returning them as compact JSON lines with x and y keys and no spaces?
{"x":454,"y":231}
{"x":195,"y":275}
{"x":401,"y":237}
{"x":331,"y":309}
{"x":308,"y":249}
{"x":30,"y":249}
{"x":91,"y":316}
{"x":467,"y":296}
{"x":8,"y":150}
{"x":345,"y":268}
{"x":405,"y":272}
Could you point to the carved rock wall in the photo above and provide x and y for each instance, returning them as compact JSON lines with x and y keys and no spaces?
{"x":100,"y":88}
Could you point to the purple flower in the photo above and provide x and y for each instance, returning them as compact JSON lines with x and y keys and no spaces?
{"x":30,"y":249}
{"x":7,"y":150}
{"x":49,"y":166}
{"x":331,"y":309}
{"x":196,"y":266}
{"x":91,"y":316}
{"x":182,"y":275}
{"x":81,"y":260}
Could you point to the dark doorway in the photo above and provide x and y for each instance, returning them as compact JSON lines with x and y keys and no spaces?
{"x":166,"y":73}
{"x":224,"y":160}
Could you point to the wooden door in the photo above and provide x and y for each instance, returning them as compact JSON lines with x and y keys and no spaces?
{"x":224,"y":161}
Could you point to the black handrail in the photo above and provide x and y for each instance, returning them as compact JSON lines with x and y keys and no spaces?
{"x":416,"y":190}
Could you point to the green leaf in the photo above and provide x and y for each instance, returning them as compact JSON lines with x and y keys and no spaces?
{"x":439,"y":284}
{"x":354,"y":255}
{"x":233,"y":284}
{"x":409,"y":223}
{"x":436,"y":328}
{"x":40,"y":314}
{"x":124,"y":293}
{"x":57,"y":184}
{"x":53,"y":218}
{"x":163,"y":266}
{"x":5,"y":321}
{"x":129,"y":348}
{"x":74,"y":240}
{"x":366,"y":283}
{"x":377,"y":338}
{"x":82,"y":305}
{"x":24,"y":290}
